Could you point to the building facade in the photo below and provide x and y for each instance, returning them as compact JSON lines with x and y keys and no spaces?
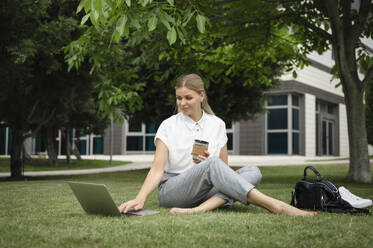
{"x":305,"y":116}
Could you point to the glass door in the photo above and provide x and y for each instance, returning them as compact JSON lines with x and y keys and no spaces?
{"x":327,"y":137}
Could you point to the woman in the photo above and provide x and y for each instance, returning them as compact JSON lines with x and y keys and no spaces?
{"x":186,"y":184}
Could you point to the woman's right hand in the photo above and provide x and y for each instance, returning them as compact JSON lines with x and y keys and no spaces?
{"x":135,"y":204}
{"x":200,"y":158}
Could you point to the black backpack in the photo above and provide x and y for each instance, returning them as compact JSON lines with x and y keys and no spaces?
{"x":320,"y":194}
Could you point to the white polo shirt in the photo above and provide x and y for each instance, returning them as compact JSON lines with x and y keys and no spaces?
{"x":178,"y":133}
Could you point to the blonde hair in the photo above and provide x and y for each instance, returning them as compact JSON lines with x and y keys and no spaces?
{"x":194,"y":82}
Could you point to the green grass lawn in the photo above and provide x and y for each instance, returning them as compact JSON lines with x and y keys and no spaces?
{"x":42,"y":212}
{"x":39,"y":164}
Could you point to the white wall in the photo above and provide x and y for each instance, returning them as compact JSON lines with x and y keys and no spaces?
{"x":325,"y":58}
{"x":310,"y":125}
{"x":315,"y":77}
{"x":343,"y":132}
{"x":29,"y":145}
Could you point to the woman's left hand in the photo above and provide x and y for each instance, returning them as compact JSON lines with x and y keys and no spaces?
{"x":200,"y":158}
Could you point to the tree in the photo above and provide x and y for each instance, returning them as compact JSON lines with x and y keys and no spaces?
{"x":35,"y":85}
{"x":341,"y":26}
{"x":19,"y":21}
{"x":247,"y":64}
{"x":369,"y":112}
{"x":318,"y":25}
{"x":200,"y":57}
{"x":73,"y":96}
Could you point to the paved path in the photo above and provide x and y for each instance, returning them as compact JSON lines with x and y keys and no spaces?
{"x":144,"y":162}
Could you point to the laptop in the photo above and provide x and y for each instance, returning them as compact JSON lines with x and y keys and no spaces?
{"x":96,"y":199}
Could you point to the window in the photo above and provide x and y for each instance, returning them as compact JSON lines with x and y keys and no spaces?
{"x":98,"y":146}
{"x":3,"y":140}
{"x":140,"y":136}
{"x":135,"y":143}
{"x":283,"y":129}
{"x":278,"y":100}
{"x":277,"y":143}
{"x":295,"y":100}
{"x":134,"y":126}
{"x":295,"y":119}
{"x":295,"y":143}
{"x":277,"y":119}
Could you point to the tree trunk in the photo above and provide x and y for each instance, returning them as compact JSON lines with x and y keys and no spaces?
{"x":68,"y":145}
{"x":16,"y":160}
{"x":76,"y":150}
{"x":345,"y":59}
{"x":359,"y":170}
{"x":49,"y":136}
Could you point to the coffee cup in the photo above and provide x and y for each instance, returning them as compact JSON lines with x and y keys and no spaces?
{"x":199,"y":148}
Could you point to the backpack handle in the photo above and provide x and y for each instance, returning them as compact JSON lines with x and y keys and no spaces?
{"x":314,"y":170}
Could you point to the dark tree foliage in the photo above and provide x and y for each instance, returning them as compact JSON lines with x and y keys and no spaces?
{"x":37,"y":92}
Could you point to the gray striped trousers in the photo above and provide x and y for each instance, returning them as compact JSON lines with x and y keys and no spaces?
{"x":211,"y":177}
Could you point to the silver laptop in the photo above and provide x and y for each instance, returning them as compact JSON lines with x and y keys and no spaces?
{"x":96,"y":199}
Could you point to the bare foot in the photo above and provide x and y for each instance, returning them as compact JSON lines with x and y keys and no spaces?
{"x":182,"y":210}
{"x":292,"y":211}
{"x":299,"y":212}
{"x":275,"y":206}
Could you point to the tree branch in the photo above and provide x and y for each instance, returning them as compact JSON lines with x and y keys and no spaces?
{"x":256,"y":20}
{"x":332,"y":13}
{"x":358,"y":27}
{"x":302,"y":21}
{"x":37,"y":129}
{"x":346,"y":10}
{"x":368,"y":76}
{"x":29,"y":117}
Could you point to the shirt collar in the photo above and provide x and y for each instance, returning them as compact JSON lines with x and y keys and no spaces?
{"x":192,"y":124}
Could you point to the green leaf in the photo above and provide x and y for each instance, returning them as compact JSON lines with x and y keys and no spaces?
{"x":152,"y":22}
{"x":201,"y":21}
{"x":128,"y":2}
{"x":171,"y":2}
{"x":135,"y":23}
{"x":181,"y":35}
{"x":144,"y":2}
{"x":85,"y":18}
{"x":164,"y":21}
{"x":96,"y":15}
{"x":119,"y":3}
{"x":84,"y":4}
{"x":326,"y":25}
{"x":98,"y":6}
{"x":115,"y":36}
{"x":189,"y":14}
{"x":126,"y":30}
{"x":295,"y":74}
{"x":81,"y":6}
{"x":121,"y":24}
{"x":92,"y":5}
{"x":171,"y":36}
